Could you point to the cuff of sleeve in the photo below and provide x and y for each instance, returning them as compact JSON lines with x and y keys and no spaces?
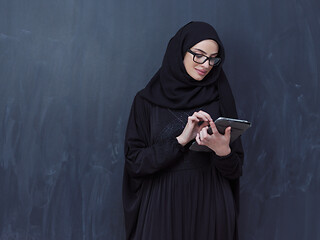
{"x":224,"y":157}
{"x":180,"y":147}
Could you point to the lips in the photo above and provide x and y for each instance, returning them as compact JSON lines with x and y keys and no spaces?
{"x":201,"y":72}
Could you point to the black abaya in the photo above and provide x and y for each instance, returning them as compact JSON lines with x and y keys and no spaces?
{"x":170,"y":192}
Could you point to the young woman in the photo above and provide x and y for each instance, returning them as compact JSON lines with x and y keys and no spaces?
{"x":169,"y":191}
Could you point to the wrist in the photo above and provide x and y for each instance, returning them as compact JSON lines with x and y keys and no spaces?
{"x":223,"y":152}
{"x":181,"y":141}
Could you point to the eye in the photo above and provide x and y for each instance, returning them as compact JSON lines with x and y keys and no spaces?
{"x":199,"y":56}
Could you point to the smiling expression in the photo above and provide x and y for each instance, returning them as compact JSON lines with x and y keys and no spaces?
{"x":197,"y":71}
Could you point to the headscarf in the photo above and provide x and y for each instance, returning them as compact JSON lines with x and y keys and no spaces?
{"x":172,"y":87}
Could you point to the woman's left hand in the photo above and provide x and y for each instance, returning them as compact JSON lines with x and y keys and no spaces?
{"x":219,"y":143}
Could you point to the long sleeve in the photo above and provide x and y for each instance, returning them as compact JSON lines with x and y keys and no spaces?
{"x":230,"y":166}
{"x":142,"y":157}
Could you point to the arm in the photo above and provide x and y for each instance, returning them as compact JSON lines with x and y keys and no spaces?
{"x":142,"y":158}
{"x":227,"y":158}
{"x":230,"y":166}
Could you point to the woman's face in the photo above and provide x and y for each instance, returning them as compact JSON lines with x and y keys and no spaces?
{"x":197,"y":71}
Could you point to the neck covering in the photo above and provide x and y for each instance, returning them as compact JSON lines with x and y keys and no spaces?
{"x":172,"y":87}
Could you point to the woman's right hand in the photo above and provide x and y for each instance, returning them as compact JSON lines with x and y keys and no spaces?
{"x":192,"y":127}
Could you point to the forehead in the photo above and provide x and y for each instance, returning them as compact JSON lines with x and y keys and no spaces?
{"x":209,"y":46}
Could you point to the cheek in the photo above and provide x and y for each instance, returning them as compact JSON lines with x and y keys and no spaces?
{"x":189,"y":65}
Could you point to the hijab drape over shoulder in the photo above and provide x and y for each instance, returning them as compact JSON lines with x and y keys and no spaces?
{"x":173,"y":88}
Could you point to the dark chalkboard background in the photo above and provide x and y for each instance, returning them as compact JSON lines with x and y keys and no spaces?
{"x":69,"y":70}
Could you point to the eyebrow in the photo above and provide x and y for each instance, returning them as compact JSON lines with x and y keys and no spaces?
{"x":205,"y":52}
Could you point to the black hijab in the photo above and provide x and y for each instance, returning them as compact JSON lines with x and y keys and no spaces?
{"x":172,"y":87}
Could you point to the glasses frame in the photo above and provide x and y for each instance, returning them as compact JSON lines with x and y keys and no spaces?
{"x":207,"y":58}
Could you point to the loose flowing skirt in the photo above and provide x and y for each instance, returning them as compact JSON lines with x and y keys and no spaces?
{"x":185,"y":203}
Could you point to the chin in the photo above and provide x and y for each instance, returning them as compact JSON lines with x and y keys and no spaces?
{"x":198,"y":78}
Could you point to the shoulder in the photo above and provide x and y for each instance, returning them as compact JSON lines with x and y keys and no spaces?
{"x":141,"y":102}
{"x":138,"y":97}
{"x":138,"y":101}
{"x":140,"y":106}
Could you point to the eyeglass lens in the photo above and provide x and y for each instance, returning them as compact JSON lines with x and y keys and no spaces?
{"x":201,"y":59}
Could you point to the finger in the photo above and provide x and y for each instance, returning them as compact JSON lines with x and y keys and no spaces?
{"x":227,"y":132}
{"x":207,"y":115}
{"x":201,"y":116}
{"x":214,"y":128}
{"x":204,"y":124}
{"x":193,"y":118}
{"x":198,"y":139}
{"x":204,"y":132}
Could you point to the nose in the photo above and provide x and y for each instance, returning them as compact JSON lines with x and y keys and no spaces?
{"x":206,"y":64}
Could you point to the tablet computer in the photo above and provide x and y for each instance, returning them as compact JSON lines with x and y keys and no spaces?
{"x":238,"y":127}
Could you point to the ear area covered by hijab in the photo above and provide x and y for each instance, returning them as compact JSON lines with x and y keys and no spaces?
{"x":172,"y":87}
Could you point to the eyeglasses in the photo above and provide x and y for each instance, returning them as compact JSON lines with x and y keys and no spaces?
{"x":200,"y":58}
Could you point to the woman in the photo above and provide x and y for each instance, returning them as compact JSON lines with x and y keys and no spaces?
{"x":169,"y":191}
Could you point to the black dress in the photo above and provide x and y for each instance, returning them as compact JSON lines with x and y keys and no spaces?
{"x":170,"y":192}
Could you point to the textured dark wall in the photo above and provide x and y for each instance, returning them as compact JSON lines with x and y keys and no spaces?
{"x":69,"y":70}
